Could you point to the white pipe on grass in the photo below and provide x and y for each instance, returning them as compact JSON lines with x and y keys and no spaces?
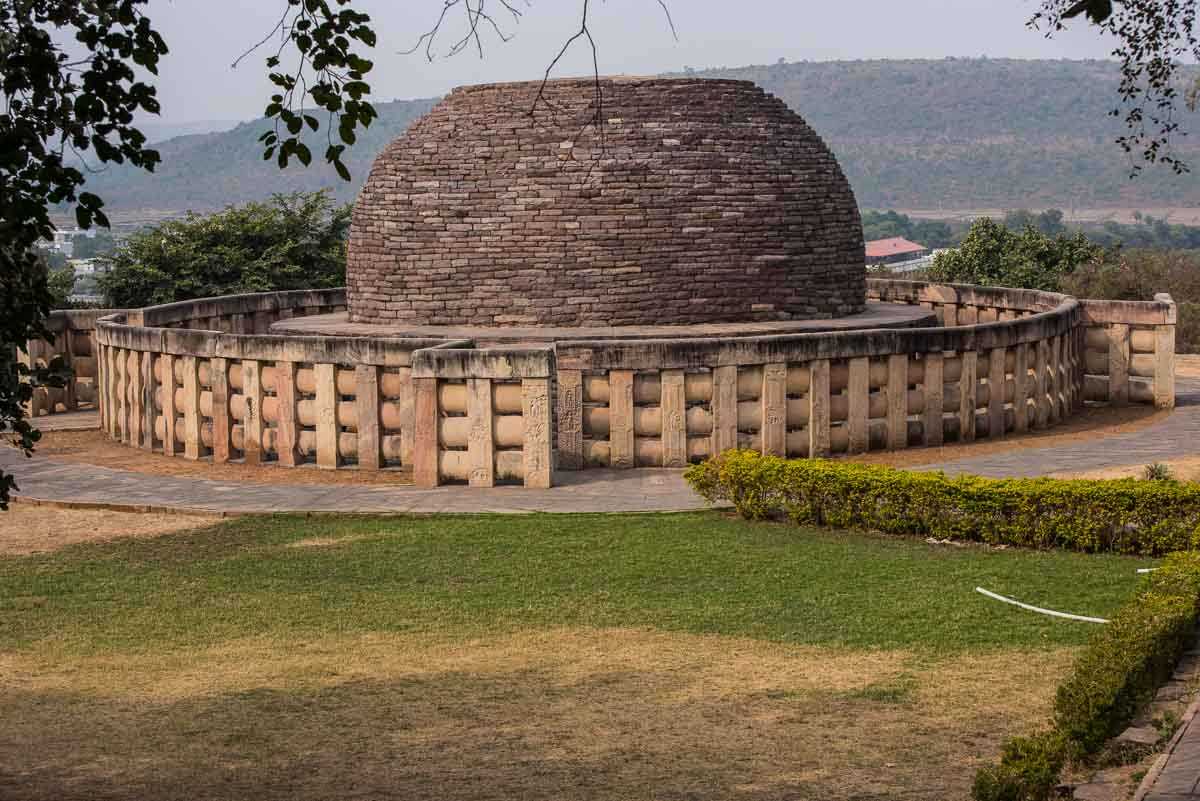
{"x":1038,"y":609}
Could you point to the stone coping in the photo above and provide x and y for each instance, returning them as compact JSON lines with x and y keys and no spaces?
{"x":1052,"y":314}
{"x":877,"y":316}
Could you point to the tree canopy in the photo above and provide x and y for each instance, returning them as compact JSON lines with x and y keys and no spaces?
{"x":296,"y":241}
{"x":58,"y":102}
{"x":887,"y":224}
{"x":993,"y":254}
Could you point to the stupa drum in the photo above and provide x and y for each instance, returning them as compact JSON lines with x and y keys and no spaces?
{"x":696,"y":201}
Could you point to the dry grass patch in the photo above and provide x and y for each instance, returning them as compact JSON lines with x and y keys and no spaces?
{"x":325,"y":542}
{"x":551,"y":714}
{"x":28,"y":529}
{"x":1185,"y":469}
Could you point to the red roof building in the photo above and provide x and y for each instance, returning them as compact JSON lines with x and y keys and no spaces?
{"x":896,"y":248}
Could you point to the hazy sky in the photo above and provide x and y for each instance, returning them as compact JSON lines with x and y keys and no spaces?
{"x":205,"y":36}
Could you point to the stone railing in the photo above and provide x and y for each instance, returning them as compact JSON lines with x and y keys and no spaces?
{"x":483,"y":415}
{"x":1129,"y":351}
{"x":1129,"y":346}
{"x":73,"y":343}
{"x":204,"y":379}
{"x":963,"y":304}
{"x":253,"y":396}
{"x":665,"y":403}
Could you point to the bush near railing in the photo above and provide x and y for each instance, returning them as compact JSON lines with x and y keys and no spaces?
{"x":1115,"y":676}
{"x":1115,"y":516}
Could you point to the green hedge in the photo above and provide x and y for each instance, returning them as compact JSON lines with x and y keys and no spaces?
{"x":1121,"y":516}
{"x":1115,"y":676}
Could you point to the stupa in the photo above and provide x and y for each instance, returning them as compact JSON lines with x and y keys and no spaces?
{"x":623,"y":202}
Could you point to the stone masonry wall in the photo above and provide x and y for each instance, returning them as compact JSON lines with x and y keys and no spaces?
{"x":697,"y":201}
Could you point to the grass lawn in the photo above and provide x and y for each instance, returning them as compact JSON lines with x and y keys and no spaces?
{"x":628,"y":656}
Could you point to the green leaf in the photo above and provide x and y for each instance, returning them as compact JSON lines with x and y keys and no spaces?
{"x":1097,"y":10}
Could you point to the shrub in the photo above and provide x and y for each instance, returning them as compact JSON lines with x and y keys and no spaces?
{"x":994,"y":255}
{"x":1129,"y":658}
{"x":1157,"y":471}
{"x":1028,"y":770}
{"x":1118,"y":516}
{"x":1138,"y":275}
{"x":1187,"y":330}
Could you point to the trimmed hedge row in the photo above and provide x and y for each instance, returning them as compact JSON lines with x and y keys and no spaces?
{"x":1115,"y":676}
{"x":1127,"y":516}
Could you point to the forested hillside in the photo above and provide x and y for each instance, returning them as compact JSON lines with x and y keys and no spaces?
{"x":948,"y":134}
{"x":976,"y":133}
{"x":204,"y":172}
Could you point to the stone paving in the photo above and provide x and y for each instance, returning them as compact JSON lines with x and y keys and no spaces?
{"x":594,"y":491}
{"x":1175,"y":775}
{"x":877,"y":315}
{"x":1176,"y":436}
{"x":1178,"y":778}
{"x":83,"y":420}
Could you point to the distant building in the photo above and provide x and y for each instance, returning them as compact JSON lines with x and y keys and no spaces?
{"x":63,"y":240}
{"x":894,"y":249}
{"x":93,"y":266}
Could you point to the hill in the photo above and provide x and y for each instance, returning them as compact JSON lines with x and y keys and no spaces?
{"x":204,"y":172}
{"x":156,"y":131}
{"x":919,"y":134}
{"x":972,"y":133}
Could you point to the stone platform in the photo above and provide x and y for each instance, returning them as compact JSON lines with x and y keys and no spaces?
{"x":877,"y":316}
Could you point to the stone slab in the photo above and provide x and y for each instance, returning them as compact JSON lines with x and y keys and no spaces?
{"x":877,"y":315}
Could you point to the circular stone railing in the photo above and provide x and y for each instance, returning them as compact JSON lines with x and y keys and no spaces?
{"x":204,"y":379}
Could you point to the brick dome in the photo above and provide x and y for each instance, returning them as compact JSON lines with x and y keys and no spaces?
{"x":698,"y":201}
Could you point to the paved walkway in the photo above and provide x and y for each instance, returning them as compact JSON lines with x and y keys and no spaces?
{"x":643,"y":490}
{"x":1180,"y":776}
{"x":69,"y":421}
{"x":1176,"y":436}
{"x":591,"y":491}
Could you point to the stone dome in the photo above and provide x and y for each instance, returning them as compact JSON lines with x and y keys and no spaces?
{"x":697,"y":201}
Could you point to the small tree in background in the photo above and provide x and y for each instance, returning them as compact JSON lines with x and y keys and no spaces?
{"x":1138,"y":275}
{"x":89,"y":247}
{"x":60,"y":281}
{"x":296,"y":241}
{"x":1049,"y":222}
{"x":993,"y":255}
